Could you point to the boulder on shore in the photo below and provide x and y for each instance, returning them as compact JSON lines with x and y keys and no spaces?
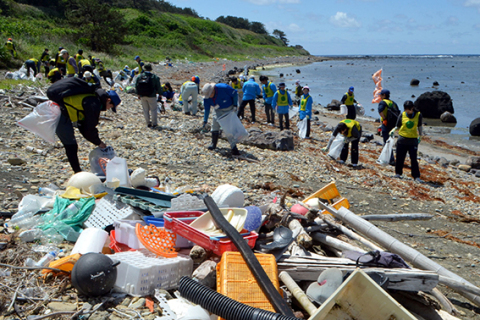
{"x":272,"y":140}
{"x":433,"y":104}
{"x":474,"y":162}
{"x":414,"y":82}
{"x":448,"y":117}
{"x":475,"y":127}
{"x":334,"y":105}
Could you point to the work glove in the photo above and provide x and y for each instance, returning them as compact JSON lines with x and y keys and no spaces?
{"x":392,"y":132}
{"x":384,"y":122}
{"x":419,"y":139}
{"x":324,"y":149}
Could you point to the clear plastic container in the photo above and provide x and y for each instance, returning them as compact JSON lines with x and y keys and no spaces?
{"x":46,"y":259}
{"x":117,"y":168}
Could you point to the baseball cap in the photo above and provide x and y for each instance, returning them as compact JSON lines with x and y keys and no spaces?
{"x":208,"y":89}
{"x":306,"y":87}
{"x":281,"y":84}
{"x":115,"y":99}
{"x":385,"y":91}
{"x":136,"y":57}
{"x":351,"y":89}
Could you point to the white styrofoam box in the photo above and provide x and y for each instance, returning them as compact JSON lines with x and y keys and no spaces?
{"x":139,"y":274}
{"x":125,"y":233}
{"x":106,"y":213}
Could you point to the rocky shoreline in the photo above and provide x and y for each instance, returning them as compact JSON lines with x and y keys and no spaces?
{"x":177,"y":149}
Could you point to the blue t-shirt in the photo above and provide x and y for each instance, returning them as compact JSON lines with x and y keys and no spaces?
{"x":225,"y":96}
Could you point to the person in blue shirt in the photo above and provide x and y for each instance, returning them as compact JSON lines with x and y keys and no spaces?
{"x":282,"y":102}
{"x":305,"y":109}
{"x":224,"y":100}
{"x":251,"y":90}
{"x":269,"y":90}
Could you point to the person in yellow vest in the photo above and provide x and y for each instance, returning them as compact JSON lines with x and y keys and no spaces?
{"x":103,"y":72}
{"x":92,"y":62}
{"x":44,"y":59}
{"x":298,"y":92}
{"x":10,"y":46}
{"x":237,"y":84}
{"x":409,"y":125}
{"x":282,"y":102}
{"x":269,"y":90}
{"x":352,"y":131}
{"x":79,"y":56}
{"x":61,"y":61}
{"x":387,"y":108}
{"x":91,"y":79}
{"x":84,"y":65}
{"x":348,"y":99}
{"x":81,"y":111}
{"x":54,"y":74}
{"x":305,"y":109}
{"x":72,"y":68}
{"x":31,"y":64}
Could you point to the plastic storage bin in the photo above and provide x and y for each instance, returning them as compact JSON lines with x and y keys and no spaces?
{"x":116,"y":246}
{"x":330,"y":193}
{"x":159,"y":222}
{"x":235,"y":280}
{"x":125,"y":233}
{"x":140,"y":272}
{"x":179,"y":222}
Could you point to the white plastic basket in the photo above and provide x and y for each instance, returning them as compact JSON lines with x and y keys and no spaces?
{"x":106,"y":213}
{"x":139,"y":274}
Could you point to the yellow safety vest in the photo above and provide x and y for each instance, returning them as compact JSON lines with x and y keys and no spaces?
{"x":389,"y":105}
{"x":269,"y":92}
{"x":91,"y":80}
{"x":140,"y":67}
{"x":78,"y":57}
{"x":100,"y":67}
{"x":46,"y":58}
{"x":60,"y":59}
{"x":409,"y":126}
{"x":350,"y":99}
{"x":70,"y":68}
{"x":303,"y":102}
{"x":350,"y":124}
{"x":74,"y":106}
{"x":282,"y":99}
{"x":9,"y":45}
{"x":237,"y":86}
{"x":34,"y":60}
{"x":52,"y":72}
{"x":84,"y":62}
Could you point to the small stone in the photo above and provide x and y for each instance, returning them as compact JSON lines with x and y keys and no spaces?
{"x":126,"y":301}
{"x":464,"y":167}
{"x":34,"y":181}
{"x":472,"y":265}
{"x":16,"y":161}
{"x":99,"y":315}
{"x":62,"y":306}
{"x":140,"y":303}
{"x":459,"y":265}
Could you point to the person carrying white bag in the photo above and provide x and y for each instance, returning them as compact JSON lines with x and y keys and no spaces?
{"x":352,"y":131}
{"x":224,"y":100}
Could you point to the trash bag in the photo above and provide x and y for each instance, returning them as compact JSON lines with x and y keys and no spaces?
{"x":232,"y":127}
{"x":292,"y":112}
{"x":384,"y":158}
{"x":302,"y":128}
{"x":336,"y":147}
{"x":359,"y":109}
{"x":43,"y":120}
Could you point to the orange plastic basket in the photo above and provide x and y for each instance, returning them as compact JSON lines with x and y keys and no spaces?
{"x":157,"y":240}
{"x":235,"y":280}
{"x":330,"y":193}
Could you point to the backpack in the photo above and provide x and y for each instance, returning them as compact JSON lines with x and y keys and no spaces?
{"x":68,"y":87}
{"x":392,"y":115}
{"x":145,"y":86}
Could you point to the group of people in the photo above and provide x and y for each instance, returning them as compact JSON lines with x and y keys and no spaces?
{"x":408,"y":124}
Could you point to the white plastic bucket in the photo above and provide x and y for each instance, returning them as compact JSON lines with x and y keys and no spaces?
{"x":90,"y":240}
{"x":343,"y":109}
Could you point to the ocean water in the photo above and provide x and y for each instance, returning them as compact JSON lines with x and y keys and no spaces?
{"x":457,"y":75}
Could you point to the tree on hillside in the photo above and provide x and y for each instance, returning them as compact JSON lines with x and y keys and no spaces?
{"x":258,"y":27}
{"x":101,"y":27}
{"x":280,"y":35}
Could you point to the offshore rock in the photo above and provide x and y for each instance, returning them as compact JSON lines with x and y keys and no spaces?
{"x":433,"y":104}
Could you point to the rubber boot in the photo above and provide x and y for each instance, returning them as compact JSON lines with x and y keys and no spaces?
{"x":215,"y":135}
{"x":235,"y":151}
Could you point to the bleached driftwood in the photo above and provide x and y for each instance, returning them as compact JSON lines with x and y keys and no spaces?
{"x":396,"y":246}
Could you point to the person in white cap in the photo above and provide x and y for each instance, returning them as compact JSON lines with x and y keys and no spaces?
{"x":224,"y":100}
{"x":91,"y":79}
{"x":305,"y":109}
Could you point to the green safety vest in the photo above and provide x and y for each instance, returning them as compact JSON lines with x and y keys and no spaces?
{"x":303,"y":102}
{"x":350,"y":124}
{"x":282,"y":99}
{"x":350,"y":99}
{"x":9,"y":45}
{"x":268,"y":91}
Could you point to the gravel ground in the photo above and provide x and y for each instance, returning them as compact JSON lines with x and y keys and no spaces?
{"x":177,"y":149}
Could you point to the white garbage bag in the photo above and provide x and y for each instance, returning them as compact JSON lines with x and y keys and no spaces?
{"x":384,"y":158}
{"x":43,"y":120}
{"x":336,"y":147}
{"x":302,"y":128}
{"x":233,"y":128}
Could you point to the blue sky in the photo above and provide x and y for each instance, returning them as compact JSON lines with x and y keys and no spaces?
{"x":344,"y":27}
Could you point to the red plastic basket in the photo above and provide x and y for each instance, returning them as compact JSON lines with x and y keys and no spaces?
{"x":117,"y":246}
{"x":179,"y":222}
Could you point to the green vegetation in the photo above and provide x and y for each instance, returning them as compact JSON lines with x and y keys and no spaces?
{"x":116,"y":31}
{"x":9,"y":84}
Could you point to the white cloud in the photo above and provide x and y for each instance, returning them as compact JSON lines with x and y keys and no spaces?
{"x":294,"y":28}
{"x":268,"y":2}
{"x":342,"y":20}
{"x":452,"y":21}
{"x":472,"y":3}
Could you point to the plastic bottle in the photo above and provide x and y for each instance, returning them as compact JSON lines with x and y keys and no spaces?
{"x":46,"y":259}
{"x":47,"y":192}
{"x":69,"y":211}
{"x":30,"y":235}
{"x":29,"y":222}
{"x":26,"y":209}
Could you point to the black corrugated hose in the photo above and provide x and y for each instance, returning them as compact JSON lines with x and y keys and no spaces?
{"x":223,"y":306}
{"x":255,"y":267}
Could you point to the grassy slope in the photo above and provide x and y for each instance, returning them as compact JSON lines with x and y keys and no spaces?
{"x":152,"y":35}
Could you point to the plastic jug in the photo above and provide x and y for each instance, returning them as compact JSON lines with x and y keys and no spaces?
{"x":94,"y":157}
{"x":90,"y":240}
{"x":117,"y":168}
